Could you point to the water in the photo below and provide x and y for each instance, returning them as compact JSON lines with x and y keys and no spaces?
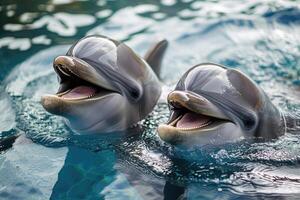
{"x":261,"y":38}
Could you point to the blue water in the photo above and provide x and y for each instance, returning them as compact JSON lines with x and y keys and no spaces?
{"x":260,"y":38}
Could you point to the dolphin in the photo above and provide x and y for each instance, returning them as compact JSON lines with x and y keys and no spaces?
{"x":213,"y":104}
{"x":104,"y":86}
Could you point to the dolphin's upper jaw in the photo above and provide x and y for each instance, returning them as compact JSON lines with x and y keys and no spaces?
{"x":78,"y":80}
{"x":190,"y":114}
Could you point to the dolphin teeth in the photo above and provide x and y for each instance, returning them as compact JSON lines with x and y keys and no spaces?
{"x":190,"y":128}
{"x":196,"y":127}
{"x":62,"y":93}
{"x":66,"y":71}
{"x":79,"y":98}
{"x":79,"y":93}
{"x":91,"y":95}
{"x":63,"y":70}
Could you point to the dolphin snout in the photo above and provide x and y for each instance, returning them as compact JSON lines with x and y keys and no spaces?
{"x":178,"y":98}
{"x":53,"y":105}
{"x":184,"y":99}
{"x":196,"y":103}
{"x":64,"y":61}
{"x":176,"y":95}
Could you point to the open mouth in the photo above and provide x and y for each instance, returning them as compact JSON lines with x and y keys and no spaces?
{"x":191,"y":115}
{"x":74,"y":86}
{"x":187,"y":120}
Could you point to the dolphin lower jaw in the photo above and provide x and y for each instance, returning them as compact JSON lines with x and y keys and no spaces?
{"x":101,"y":126}
{"x":105,"y":119}
{"x":58,"y":105}
{"x":191,"y":115}
{"x":174,"y":135}
{"x":91,"y":115}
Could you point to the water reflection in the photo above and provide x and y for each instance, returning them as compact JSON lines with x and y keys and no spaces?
{"x":85,"y":174}
{"x":91,"y":175}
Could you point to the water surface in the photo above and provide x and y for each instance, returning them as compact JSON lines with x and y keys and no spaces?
{"x":260,"y":38}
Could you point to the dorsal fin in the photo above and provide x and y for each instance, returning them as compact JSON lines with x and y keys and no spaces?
{"x":155,"y":54}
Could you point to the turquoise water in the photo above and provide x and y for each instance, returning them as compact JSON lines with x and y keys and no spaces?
{"x":260,"y":38}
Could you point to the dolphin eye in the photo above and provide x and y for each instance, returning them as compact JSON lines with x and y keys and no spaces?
{"x":134,"y":94}
{"x":249,"y":123}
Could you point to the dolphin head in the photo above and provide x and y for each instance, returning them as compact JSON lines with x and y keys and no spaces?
{"x":103,"y":86}
{"x":212,"y":104}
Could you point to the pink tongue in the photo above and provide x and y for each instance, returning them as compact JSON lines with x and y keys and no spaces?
{"x":192,"y":120}
{"x":80,"y":92}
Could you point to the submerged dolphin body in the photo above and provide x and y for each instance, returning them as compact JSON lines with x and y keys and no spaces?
{"x":212,"y":104}
{"x":104,"y":85}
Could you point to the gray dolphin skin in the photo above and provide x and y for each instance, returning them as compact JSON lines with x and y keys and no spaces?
{"x":104,"y":85}
{"x":212,"y":104}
